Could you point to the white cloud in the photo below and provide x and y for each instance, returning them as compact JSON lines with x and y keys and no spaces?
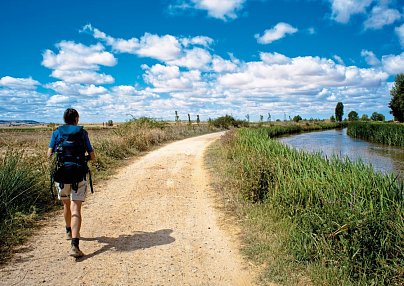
{"x":118,"y":45}
{"x":92,"y":90}
{"x":82,"y":76}
{"x":274,"y":58}
{"x":185,"y":52}
{"x":300,"y":75}
{"x":220,"y":9}
{"x":163,"y":48}
{"x":221,"y":65}
{"x":370,"y":58}
{"x":19,"y":102}
{"x":381,"y":16}
{"x":400,"y":33}
{"x":18,"y":83}
{"x":195,"y":58}
{"x":276,"y":33}
{"x":393,"y":64}
{"x":77,"y":63}
{"x":74,"y":56}
{"x":198,"y":40}
{"x":342,"y":10}
{"x":339,"y":59}
{"x":170,"y":79}
{"x":58,"y":100}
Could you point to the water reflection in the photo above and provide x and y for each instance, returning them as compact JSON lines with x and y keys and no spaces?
{"x":383,"y":158}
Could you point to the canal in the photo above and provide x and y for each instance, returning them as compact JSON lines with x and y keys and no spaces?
{"x":383,"y":158}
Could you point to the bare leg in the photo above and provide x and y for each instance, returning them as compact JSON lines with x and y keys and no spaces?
{"x":66,"y":212}
{"x":75,"y":218}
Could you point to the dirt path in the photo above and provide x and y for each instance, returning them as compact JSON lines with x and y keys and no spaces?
{"x":154,"y":223}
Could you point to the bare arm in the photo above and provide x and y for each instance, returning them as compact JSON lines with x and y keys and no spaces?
{"x":50,"y":152}
{"x":92,"y":155}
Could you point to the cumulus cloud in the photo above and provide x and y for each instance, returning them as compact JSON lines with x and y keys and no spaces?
{"x":302,"y":76}
{"x":274,"y":58}
{"x":275,"y":82}
{"x":220,"y":9}
{"x":220,"y":65}
{"x":400,"y":33}
{"x":182,"y":51}
{"x":92,"y":90}
{"x":278,"y":32}
{"x":393,"y":64}
{"x":370,"y":58}
{"x":77,"y":63}
{"x":342,"y":10}
{"x":18,"y":83}
{"x":171,"y":79}
{"x":58,"y":99}
{"x":381,"y":16}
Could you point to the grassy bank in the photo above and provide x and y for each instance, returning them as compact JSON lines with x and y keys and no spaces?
{"x":311,"y":220}
{"x":24,"y":168}
{"x":378,"y":132}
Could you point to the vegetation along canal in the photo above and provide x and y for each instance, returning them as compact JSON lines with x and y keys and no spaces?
{"x":386,"y":159}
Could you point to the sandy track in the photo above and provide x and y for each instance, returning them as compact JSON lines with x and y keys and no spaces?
{"x":154,"y":223}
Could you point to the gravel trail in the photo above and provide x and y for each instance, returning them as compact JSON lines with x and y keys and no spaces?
{"x":153,"y":223}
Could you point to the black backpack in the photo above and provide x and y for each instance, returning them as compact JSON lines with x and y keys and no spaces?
{"x":71,"y":163}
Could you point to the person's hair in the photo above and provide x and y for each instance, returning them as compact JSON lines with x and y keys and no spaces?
{"x":70,"y":116}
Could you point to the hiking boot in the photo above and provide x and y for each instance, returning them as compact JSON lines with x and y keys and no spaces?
{"x":69,"y":235}
{"x":76,"y":252}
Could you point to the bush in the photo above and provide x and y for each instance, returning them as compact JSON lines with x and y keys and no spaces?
{"x":226,"y":122}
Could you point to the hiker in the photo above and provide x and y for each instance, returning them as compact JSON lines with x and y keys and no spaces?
{"x":70,"y":142}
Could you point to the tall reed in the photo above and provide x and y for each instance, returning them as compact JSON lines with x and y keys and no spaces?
{"x":342,"y":214}
{"x":378,"y":132}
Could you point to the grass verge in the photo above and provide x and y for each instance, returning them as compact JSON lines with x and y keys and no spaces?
{"x":311,"y":220}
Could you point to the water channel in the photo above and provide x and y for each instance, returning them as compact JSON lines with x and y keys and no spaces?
{"x":383,"y":158}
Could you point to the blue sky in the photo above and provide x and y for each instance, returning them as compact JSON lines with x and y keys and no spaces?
{"x":118,"y":59}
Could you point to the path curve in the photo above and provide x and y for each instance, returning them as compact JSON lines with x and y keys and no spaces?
{"x":153,"y":223}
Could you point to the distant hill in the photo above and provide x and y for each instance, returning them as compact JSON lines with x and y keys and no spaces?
{"x":19,"y":122}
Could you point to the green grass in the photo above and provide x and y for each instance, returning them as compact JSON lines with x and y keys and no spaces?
{"x":378,"y":132}
{"x":22,"y":196}
{"x":331,"y":221}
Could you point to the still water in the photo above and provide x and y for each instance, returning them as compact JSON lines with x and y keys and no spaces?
{"x":383,"y":158}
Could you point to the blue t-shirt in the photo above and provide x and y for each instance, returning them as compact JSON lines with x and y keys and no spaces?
{"x":56,"y":136}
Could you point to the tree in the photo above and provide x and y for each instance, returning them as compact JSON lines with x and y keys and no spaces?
{"x":269,"y":117}
{"x":365,"y":117}
{"x":397,"y":101}
{"x":339,"y":111}
{"x":377,"y":116}
{"x":332,"y":118}
{"x":353,"y":116}
{"x":189,"y":119}
{"x":110,"y":123}
{"x":197,"y":119}
{"x":297,"y":118}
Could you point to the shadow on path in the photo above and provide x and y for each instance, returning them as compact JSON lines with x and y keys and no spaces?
{"x":138,"y":240}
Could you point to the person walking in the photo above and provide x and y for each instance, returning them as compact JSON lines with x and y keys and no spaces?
{"x":71,"y":143}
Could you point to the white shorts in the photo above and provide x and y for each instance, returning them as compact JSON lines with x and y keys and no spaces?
{"x":67,"y":193}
